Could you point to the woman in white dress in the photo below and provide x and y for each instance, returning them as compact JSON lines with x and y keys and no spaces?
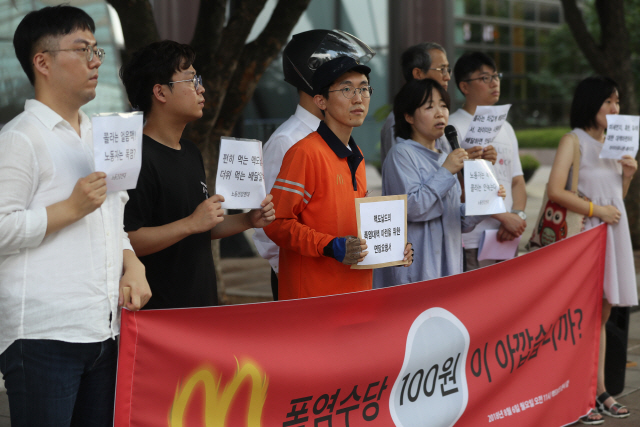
{"x":605,"y":182}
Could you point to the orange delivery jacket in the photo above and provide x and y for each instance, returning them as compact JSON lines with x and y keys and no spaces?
{"x":314,"y":197}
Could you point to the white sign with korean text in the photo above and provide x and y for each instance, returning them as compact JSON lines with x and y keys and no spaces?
{"x":382,"y":222}
{"x":622,"y":136}
{"x":117,"y":148}
{"x":481,"y":189}
{"x":485,"y":125}
{"x":240,"y":173}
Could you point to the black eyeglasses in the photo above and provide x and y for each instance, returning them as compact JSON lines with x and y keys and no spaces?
{"x":349,"y":92}
{"x":88,"y":51}
{"x":196,"y":80}
{"x":487,"y":78}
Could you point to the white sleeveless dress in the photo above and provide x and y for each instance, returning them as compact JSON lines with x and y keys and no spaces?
{"x":601,"y":181}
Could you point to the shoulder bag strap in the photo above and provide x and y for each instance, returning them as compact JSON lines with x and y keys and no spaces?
{"x":575,"y":168}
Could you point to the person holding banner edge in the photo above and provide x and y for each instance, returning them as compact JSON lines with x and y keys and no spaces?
{"x":320,"y":178}
{"x":65,"y":261}
{"x":416,"y":167}
{"x":605,"y":182}
{"x":170,"y":217}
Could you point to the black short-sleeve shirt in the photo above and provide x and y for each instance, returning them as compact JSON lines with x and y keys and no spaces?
{"x":172,"y":183}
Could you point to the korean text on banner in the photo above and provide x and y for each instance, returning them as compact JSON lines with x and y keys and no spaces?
{"x":464,"y":350}
{"x":623,"y":133}
{"x":240,"y":173}
{"x":382,"y":222}
{"x":481,"y":189}
{"x":117,"y":148}
{"x":486,"y":124}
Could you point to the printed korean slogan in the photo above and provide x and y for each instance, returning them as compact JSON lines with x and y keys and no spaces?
{"x":513,"y":344}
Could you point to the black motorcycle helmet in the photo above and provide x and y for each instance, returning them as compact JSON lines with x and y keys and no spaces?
{"x":307,"y":51}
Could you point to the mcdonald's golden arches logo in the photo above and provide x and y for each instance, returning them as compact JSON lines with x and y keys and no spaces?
{"x":216,"y":404}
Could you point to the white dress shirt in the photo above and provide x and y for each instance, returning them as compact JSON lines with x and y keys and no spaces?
{"x":301,"y":124}
{"x":63,"y":286}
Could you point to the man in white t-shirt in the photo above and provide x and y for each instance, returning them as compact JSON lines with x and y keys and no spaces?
{"x":478,"y":79}
{"x":304,"y":50}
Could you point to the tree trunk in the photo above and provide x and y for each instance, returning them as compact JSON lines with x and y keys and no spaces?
{"x":611,"y":58}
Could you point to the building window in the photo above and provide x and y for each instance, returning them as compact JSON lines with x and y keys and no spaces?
{"x":497,"y":8}
{"x":524,"y":10}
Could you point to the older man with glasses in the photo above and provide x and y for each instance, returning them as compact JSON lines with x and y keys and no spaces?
{"x":478,"y":79}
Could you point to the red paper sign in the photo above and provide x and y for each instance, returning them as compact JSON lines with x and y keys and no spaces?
{"x":511,"y":344}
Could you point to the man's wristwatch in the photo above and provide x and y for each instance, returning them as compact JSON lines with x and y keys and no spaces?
{"x":521,"y":214}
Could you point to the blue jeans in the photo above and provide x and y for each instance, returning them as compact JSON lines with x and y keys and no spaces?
{"x":55,"y":383}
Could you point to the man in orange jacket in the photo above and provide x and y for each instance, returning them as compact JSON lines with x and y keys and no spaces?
{"x":314,"y":193}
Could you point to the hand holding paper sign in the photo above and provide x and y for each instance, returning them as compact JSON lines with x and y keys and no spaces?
{"x":629,"y":166}
{"x":259,"y":218}
{"x":485,"y":153}
{"x":511,"y":227}
{"x":408,"y":255}
{"x":88,"y":195}
{"x":207,"y":215}
{"x":348,"y":250}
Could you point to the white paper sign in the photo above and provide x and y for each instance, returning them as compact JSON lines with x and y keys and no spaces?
{"x":240,"y":173}
{"x":623,"y":133}
{"x":487,"y":122}
{"x":490,"y":248}
{"x":382,"y":222}
{"x":117,"y":148}
{"x":481,"y":189}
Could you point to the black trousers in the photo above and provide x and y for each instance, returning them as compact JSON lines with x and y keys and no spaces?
{"x":274,"y":285}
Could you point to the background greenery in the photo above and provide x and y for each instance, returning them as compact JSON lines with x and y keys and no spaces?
{"x":540,"y":137}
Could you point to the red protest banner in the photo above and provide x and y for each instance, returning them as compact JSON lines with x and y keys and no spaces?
{"x":511,"y":344}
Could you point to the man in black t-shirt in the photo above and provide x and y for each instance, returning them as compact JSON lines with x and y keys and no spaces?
{"x":170,"y":217}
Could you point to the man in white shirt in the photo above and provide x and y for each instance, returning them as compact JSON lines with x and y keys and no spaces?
{"x":64,"y":257}
{"x":296,"y":59}
{"x":478,"y":79}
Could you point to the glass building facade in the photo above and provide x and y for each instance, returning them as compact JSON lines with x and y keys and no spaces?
{"x":514,"y":33}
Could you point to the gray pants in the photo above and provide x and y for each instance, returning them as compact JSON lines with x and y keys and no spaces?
{"x":472,"y":263}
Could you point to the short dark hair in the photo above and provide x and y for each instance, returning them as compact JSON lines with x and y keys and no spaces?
{"x":417,"y":56}
{"x":412,"y":96}
{"x":153,"y":64}
{"x":469,"y":63}
{"x":589,"y":96}
{"x":51,"y":21}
